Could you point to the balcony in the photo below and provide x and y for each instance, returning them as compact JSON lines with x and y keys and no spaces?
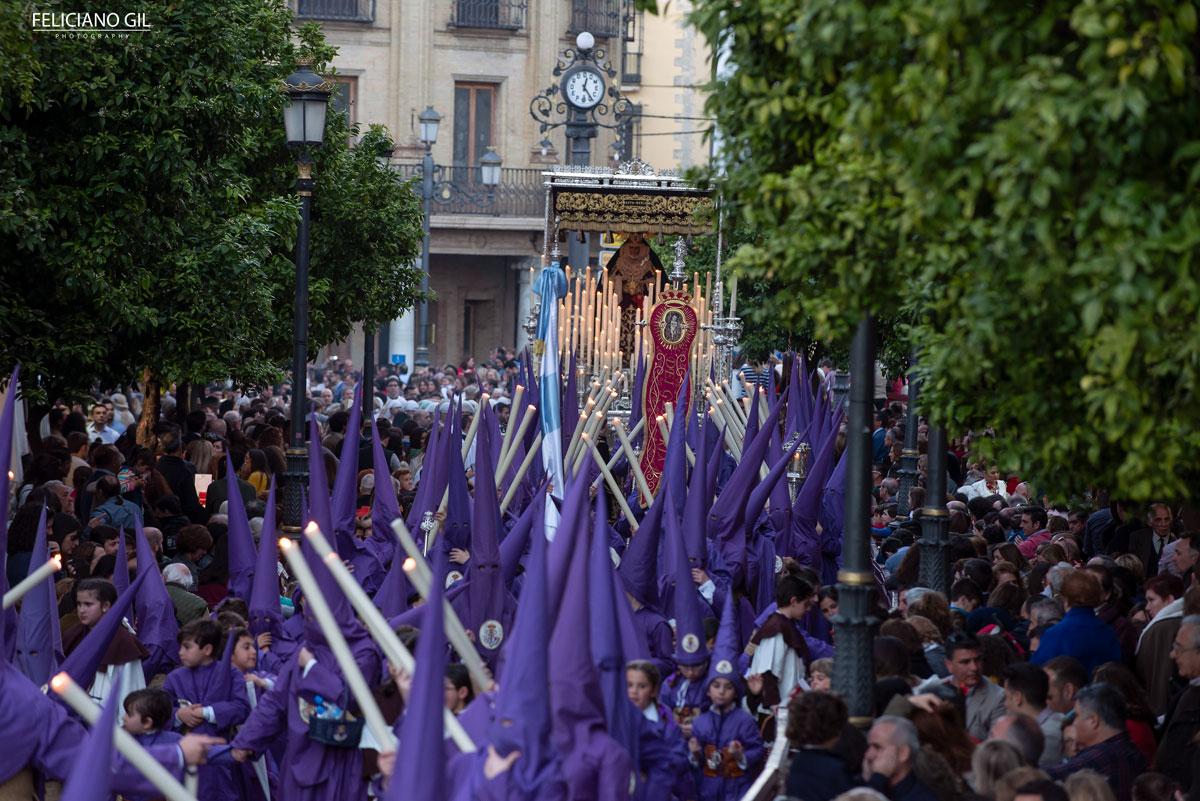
{"x":460,"y":190}
{"x":500,"y":15}
{"x":335,"y":10}
{"x":602,"y":18}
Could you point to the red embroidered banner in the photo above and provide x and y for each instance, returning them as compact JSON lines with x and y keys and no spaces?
{"x":672,"y":329}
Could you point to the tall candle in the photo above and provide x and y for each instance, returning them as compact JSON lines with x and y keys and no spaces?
{"x":53,"y":565}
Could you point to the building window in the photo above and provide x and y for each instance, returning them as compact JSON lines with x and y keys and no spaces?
{"x":474,"y":122}
{"x":505,"y":15}
{"x":629,"y":134}
{"x":336,"y":10}
{"x":602,"y":18}
{"x":344,"y":98}
{"x":631,"y":52}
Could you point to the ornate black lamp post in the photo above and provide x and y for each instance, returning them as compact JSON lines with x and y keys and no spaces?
{"x":853,"y":670}
{"x":935,"y":520}
{"x":304,"y":122}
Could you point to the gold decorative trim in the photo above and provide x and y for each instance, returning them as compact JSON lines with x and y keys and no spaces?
{"x":632,"y":212}
{"x":855,"y":577}
{"x":933,"y":511}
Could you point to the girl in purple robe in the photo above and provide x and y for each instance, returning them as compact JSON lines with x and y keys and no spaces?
{"x":209,"y":697}
{"x":669,"y":775}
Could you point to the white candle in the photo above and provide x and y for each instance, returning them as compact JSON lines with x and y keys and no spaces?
{"x":466,"y":448}
{"x":520,"y":476}
{"x":129,"y":748}
{"x":507,"y":455}
{"x":612,"y":483}
{"x":337,"y":643}
{"x":53,"y":565}
{"x":378,"y":626}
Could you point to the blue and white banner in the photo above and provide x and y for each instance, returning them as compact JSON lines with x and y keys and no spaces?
{"x":551,"y":285}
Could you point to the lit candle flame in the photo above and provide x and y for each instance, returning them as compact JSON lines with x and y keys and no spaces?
{"x":60,"y":682}
{"x":409,"y":565}
{"x":285,"y":544}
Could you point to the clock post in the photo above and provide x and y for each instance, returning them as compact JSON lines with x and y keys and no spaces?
{"x":588,"y":94}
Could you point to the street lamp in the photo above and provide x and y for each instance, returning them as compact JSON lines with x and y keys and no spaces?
{"x":304,"y":125}
{"x":489,"y":171}
{"x":429,"y":121}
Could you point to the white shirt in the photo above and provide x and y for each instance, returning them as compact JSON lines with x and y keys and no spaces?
{"x":773,"y":656}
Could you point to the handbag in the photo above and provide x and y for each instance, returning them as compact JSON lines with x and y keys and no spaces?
{"x":343,"y":731}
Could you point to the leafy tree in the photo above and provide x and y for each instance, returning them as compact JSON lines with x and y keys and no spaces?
{"x":1014,"y":184}
{"x":147,"y":210}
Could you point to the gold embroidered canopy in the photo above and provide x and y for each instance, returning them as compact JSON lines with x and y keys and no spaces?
{"x":631,"y":199}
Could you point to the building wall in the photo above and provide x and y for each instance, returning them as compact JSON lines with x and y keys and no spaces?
{"x":675,"y":65}
{"x":412,"y":55}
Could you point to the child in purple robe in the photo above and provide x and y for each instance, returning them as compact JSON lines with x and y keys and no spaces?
{"x":668,"y":775}
{"x":209,"y":697}
{"x":148,"y":717}
{"x":725,"y":747}
{"x":683,"y":692}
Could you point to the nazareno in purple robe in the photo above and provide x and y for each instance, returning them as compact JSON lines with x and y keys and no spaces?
{"x":715,"y":731}
{"x":309,"y":771}
{"x":221,"y":687}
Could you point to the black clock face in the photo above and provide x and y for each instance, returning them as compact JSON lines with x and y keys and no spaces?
{"x":583,"y":88}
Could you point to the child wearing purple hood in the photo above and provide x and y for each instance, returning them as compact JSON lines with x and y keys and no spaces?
{"x":148,"y":718}
{"x":725,"y":748}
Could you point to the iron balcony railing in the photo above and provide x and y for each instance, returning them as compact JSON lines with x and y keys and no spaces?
{"x":336,"y":10}
{"x":602,"y":18}
{"x":504,"y":15}
{"x":460,"y":190}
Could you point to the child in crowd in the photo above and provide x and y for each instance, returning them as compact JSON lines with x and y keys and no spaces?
{"x":121,"y":666}
{"x":148,"y":717}
{"x":670,"y":777}
{"x":725,"y":746}
{"x":683,"y":691}
{"x":209,"y":696}
{"x":820,"y":675}
{"x":778,"y":650}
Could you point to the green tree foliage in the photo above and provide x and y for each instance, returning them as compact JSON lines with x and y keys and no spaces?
{"x":147,"y":210}
{"x":1015,"y":182}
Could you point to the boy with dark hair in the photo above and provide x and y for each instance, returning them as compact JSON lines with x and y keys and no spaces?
{"x":778,"y":651}
{"x":148,"y":717}
{"x":209,"y":696}
{"x":121,"y":666}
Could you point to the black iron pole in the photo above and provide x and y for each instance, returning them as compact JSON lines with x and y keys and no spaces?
{"x":580,"y":133}
{"x":909,"y":455}
{"x":935,"y":546}
{"x":297,"y":455}
{"x":853,"y":669}
{"x":422,"y":354}
{"x":368,"y":371}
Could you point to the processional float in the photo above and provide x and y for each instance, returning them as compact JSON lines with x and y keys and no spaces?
{"x":628,"y":309}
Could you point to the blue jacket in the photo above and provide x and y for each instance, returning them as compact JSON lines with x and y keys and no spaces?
{"x":1082,"y":635}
